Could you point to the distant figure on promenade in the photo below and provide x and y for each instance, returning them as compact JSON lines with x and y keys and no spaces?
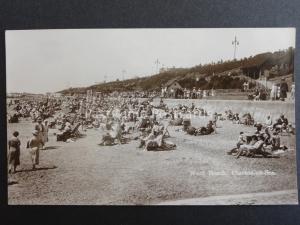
{"x":293,"y":91}
{"x":213,"y":93}
{"x":273,"y":95}
{"x":278,"y":92}
{"x":199,"y":93}
{"x":194,"y":93}
{"x":283,"y":89}
{"x":188,"y":92}
{"x":244,"y":86}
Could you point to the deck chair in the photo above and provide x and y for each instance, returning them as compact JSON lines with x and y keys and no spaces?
{"x":75,"y":132}
{"x":166,"y":131}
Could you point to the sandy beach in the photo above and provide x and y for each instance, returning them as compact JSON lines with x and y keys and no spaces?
{"x":84,"y":173}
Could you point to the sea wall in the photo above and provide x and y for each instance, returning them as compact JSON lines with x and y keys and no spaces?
{"x":258,"y":109}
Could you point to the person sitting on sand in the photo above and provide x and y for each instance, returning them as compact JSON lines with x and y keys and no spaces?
{"x":281,"y":122}
{"x":267,"y":136}
{"x":13,"y":118}
{"x":236,"y":118}
{"x":247,"y":119}
{"x":209,"y":129}
{"x":291,"y":129}
{"x":214,"y":119}
{"x":259,"y":127}
{"x":107,"y":140}
{"x":177,"y":122}
{"x":155,"y":141}
{"x":252,"y":149}
{"x":240,"y":141}
{"x":155,"y":132}
{"x":268,"y":122}
{"x":116,"y":132}
{"x":275,"y":141}
{"x":65,"y":134}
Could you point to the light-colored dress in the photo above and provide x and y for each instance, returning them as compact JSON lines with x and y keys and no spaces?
{"x":40,"y":136}
{"x":45,"y":134}
{"x":34,"y":149}
{"x":293,"y":91}
{"x":273,"y":92}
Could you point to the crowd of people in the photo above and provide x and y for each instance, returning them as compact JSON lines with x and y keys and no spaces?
{"x":122,"y":120}
{"x":38,"y":111}
{"x":279,"y":91}
{"x":186,"y":93}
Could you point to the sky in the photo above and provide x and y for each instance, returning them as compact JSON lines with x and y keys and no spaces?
{"x":40,"y":61}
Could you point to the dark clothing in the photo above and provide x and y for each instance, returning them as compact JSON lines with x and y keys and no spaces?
{"x":14,"y":151}
{"x":283,"y":90}
{"x":281,"y":121}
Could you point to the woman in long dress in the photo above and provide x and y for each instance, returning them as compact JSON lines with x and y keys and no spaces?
{"x":14,"y":152}
{"x":278,"y":92}
{"x":273,"y":92}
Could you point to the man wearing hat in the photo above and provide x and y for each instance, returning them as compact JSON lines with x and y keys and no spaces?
{"x":34,"y":146}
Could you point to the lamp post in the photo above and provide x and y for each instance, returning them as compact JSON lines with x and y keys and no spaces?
{"x":235,"y":43}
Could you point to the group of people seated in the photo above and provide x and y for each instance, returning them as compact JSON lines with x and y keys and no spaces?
{"x":204,"y":130}
{"x":13,"y":118}
{"x":155,"y":140}
{"x":246,"y":118}
{"x":265,"y":140}
{"x":258,"y":95}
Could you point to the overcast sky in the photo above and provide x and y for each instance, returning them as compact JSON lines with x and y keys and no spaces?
{"x":40,"y":61}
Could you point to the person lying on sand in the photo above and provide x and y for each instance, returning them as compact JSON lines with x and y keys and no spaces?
{"x":209,"y":129}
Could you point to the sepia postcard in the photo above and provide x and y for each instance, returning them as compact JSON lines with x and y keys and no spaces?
{"x":151,"y":116}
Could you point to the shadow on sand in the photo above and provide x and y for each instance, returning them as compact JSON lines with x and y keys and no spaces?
{"x":50,"y":148}
{"x":36,"y":169}
{"x":12,"y":182}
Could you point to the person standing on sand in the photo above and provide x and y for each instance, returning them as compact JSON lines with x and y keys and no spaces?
{"x":45,"y":133}
{"x":39,"y":127}
{"x":34,"y":147}
{"x":215,"y":119}
{"x":14,"y":152}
